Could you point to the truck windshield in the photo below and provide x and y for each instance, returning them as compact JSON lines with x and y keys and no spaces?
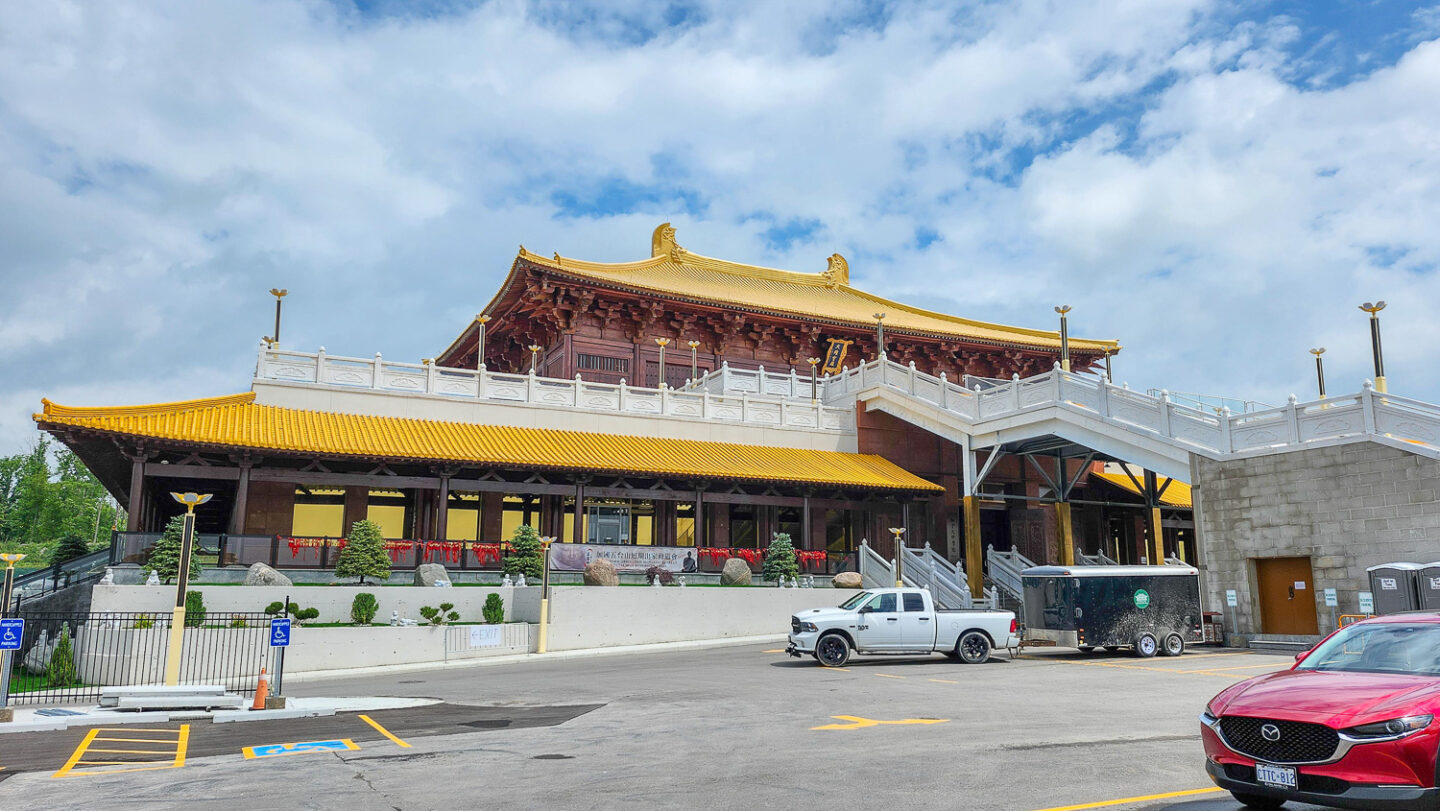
{"x":1380,"y":648}
{"x":856,"y":601}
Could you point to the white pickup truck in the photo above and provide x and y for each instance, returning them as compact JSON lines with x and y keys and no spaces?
{"x":899,"y":621}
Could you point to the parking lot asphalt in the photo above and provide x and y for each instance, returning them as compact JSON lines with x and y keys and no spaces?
{"x":738,"y":727}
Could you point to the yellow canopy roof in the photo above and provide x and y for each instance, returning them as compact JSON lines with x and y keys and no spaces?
{"x":674,"y":272}
{"x":237,"y":421}
{"x":1176,"y":495}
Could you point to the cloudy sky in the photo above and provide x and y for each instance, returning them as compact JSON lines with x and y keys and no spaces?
{"x":1215,"y":184}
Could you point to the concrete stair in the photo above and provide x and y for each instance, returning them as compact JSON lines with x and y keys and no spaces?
{"x":163,"y":697}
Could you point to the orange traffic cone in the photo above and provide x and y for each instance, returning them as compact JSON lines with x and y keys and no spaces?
{"x":261,"y":691}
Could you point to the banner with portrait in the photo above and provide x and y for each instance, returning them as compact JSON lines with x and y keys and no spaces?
{"x":573,"y":557}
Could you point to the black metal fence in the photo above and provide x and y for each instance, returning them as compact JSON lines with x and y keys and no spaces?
{"x":67,"y":657}
{"x":73,"y":572}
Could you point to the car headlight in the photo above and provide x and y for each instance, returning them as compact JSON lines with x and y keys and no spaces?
{"x":1394,"y":728}
{"x":809,"y":627}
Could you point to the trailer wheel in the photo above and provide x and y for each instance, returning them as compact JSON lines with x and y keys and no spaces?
{"x":1146,"y":645}
{"x":832,"y":650}
{"x":973,"y":648}
{"x":1174,"y":645}
{"x":1087,"y":648}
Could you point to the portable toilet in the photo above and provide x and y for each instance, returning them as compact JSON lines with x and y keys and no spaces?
{"x":1428,"y":583}
{"x":1393,"y":586}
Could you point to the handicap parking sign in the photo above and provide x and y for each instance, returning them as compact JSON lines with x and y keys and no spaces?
{"x":11,"y":632}
{"x":280,"y":633}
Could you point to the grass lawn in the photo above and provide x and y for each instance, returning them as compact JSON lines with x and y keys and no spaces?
{"x":23,"y":682}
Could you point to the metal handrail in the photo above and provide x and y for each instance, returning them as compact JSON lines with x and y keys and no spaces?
{"x":1005,"y":569}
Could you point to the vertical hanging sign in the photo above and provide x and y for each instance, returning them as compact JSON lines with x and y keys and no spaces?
{"x":835,"y":356}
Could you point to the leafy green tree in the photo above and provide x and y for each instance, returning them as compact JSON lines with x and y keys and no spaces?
{"x":363,"y":608}
{"x":165,"y":557}
{"x":525,"y":554}
{"x":494,"y":609}
{"x":41,"y":503}
{"x":194,"y":609}
{"x":780,"y":561}
{"x":364,"y":553}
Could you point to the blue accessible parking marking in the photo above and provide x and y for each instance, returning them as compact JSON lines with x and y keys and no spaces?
{"x":277,"y":749}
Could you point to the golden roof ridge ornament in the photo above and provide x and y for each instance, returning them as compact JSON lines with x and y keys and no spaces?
{"x":662,"y":243}
{"x":837,"y":272}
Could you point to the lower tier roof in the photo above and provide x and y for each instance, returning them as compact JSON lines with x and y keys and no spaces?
{"x":238,"y":422}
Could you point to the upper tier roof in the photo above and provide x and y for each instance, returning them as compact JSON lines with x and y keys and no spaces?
{"x":675,"y":273}
{"x":237,"y":421}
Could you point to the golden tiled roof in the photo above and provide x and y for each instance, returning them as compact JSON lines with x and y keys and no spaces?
{"x":1176,"y":495}
{"x":237,"y":421}
{"x":674,"y":272}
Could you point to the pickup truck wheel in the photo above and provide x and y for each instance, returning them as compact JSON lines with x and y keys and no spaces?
{"x":1146,"y":646}
{"x":973,"y":648}
{"x":1174,"y":645}
{"x":832,"y":650}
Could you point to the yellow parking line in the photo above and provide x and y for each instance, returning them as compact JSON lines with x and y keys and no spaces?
{"x":175,"y":760}
{"x":1205,"y":655}
{"x":383,"y":731}
{"x":1128,"y":800}
{"x":777,"y":650}
{"x":1221,"y":668}
{"x":888,"y":676}
{"x":943,"y":681}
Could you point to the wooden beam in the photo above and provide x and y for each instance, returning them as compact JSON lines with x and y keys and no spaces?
{"x":153,"y":469}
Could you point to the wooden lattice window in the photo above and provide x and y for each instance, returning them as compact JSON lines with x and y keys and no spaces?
{"x":602,"y":363}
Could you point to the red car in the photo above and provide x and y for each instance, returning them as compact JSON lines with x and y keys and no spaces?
{"x":1351,"y":725}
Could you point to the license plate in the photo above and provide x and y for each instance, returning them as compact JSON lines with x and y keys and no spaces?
{"x":1276,"y":776}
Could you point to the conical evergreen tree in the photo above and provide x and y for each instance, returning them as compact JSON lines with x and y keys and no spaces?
{"x":525,"y":554}
{"x":71,"y":546}
{"x":364,"y":553}
{"x":780,"y":559}
{"x":165,"y":557}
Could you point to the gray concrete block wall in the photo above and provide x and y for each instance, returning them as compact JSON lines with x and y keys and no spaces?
{"x":1346,"y":507}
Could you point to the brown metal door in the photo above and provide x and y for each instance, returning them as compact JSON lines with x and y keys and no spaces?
{"x":1287,"y":596}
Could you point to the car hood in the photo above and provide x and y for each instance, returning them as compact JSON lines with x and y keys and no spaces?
{"x":1339,"y":699}
{"x":824,"y":614}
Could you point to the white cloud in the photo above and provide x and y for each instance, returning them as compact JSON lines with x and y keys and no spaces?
{"x":163,"y":165}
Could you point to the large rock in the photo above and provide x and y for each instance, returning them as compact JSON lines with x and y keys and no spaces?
{"x":601,"y":573}
{"x":431,"y":574}
{"x":847,"y":580}
{"x":735,"y":573}
{"x":262,"y":575}
{"x":38,"y":659}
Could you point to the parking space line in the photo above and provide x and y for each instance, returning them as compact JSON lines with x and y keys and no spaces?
{"x":1154,"y":669}
{"x":776,"y":650}
{"x":1205,"y":655}
{"x":170,"y":758}
{"x":1220,"y":668}
{"x":943,"y":681}
{"x":1129,"y":800}
{"x":383,"y":731}
{"x":888,"y":676}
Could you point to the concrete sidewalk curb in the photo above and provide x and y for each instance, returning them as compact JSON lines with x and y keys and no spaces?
{"x":584,"y":653}
{"x":66,"y":721}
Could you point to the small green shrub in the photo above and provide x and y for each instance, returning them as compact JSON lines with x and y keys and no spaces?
{"x":494,"y":609}
{"x":307,"y":614}
{"x":61,"y":670}
{"x":362,"y":610}
{"x":194,"y":609}
{"x":237,"y":621}
{"x":274,"y":608}
{"x":441,"y":615}
{"x":144,"y":621}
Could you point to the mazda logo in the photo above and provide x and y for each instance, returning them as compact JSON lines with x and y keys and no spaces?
{"x":1270,"y":732}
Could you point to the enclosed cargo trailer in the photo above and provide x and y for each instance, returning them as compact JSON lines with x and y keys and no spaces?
{"x":1152,"y":609}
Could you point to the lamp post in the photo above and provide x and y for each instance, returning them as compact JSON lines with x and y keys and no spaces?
{"x":899,"y":557}
{"x":1064,"y":337}
{"x":12,"y":558}
{"x":534,"y":356}
{"x":1319,"y":369}
{"x":662,"y":343}
{"x":481,"y":319}
{"x":694,"y":360}
{"x":182,"y":579}
{"x":1379,"y":354}
{"x":544,"y":592}
{"x":879,"y":335}
{"x":813,"y":363}
{"x":279,"y":294}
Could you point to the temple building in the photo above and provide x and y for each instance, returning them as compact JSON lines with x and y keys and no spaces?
{"x":570,"y":425}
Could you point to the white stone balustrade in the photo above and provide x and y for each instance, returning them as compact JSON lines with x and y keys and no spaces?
{"x":773,"y":408}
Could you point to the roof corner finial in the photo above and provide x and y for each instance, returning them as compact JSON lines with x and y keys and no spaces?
{"x":663,"y":243}
{"x":837,"y":272}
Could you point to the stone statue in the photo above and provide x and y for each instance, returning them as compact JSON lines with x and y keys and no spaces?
{"x":505,"y":581}
{"x":153,"y":579}
{"x":109,"y":578}
{"x":394,"y":617}
{"x":520,"y":581}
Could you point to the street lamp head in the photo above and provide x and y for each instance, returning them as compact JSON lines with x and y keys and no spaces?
{"x":482,"y":318}
{"x":1318,"y":352}
{"x":1063,"y":309}
{"x":812,"y":361}
{"x":12,"y":558}
{"x":278,"y":292}
{"x":693,"y":344}
{"x":534,"y":347}
{"x":898,"y":532}
{"x":191,"y":500}
{"x":879,"y":316}
{"x":662,"y":342}
{"x":1372,"y":309}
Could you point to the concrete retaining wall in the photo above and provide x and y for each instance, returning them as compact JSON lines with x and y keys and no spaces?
{"x":592,"y":617}
{"x":521,"y":605}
